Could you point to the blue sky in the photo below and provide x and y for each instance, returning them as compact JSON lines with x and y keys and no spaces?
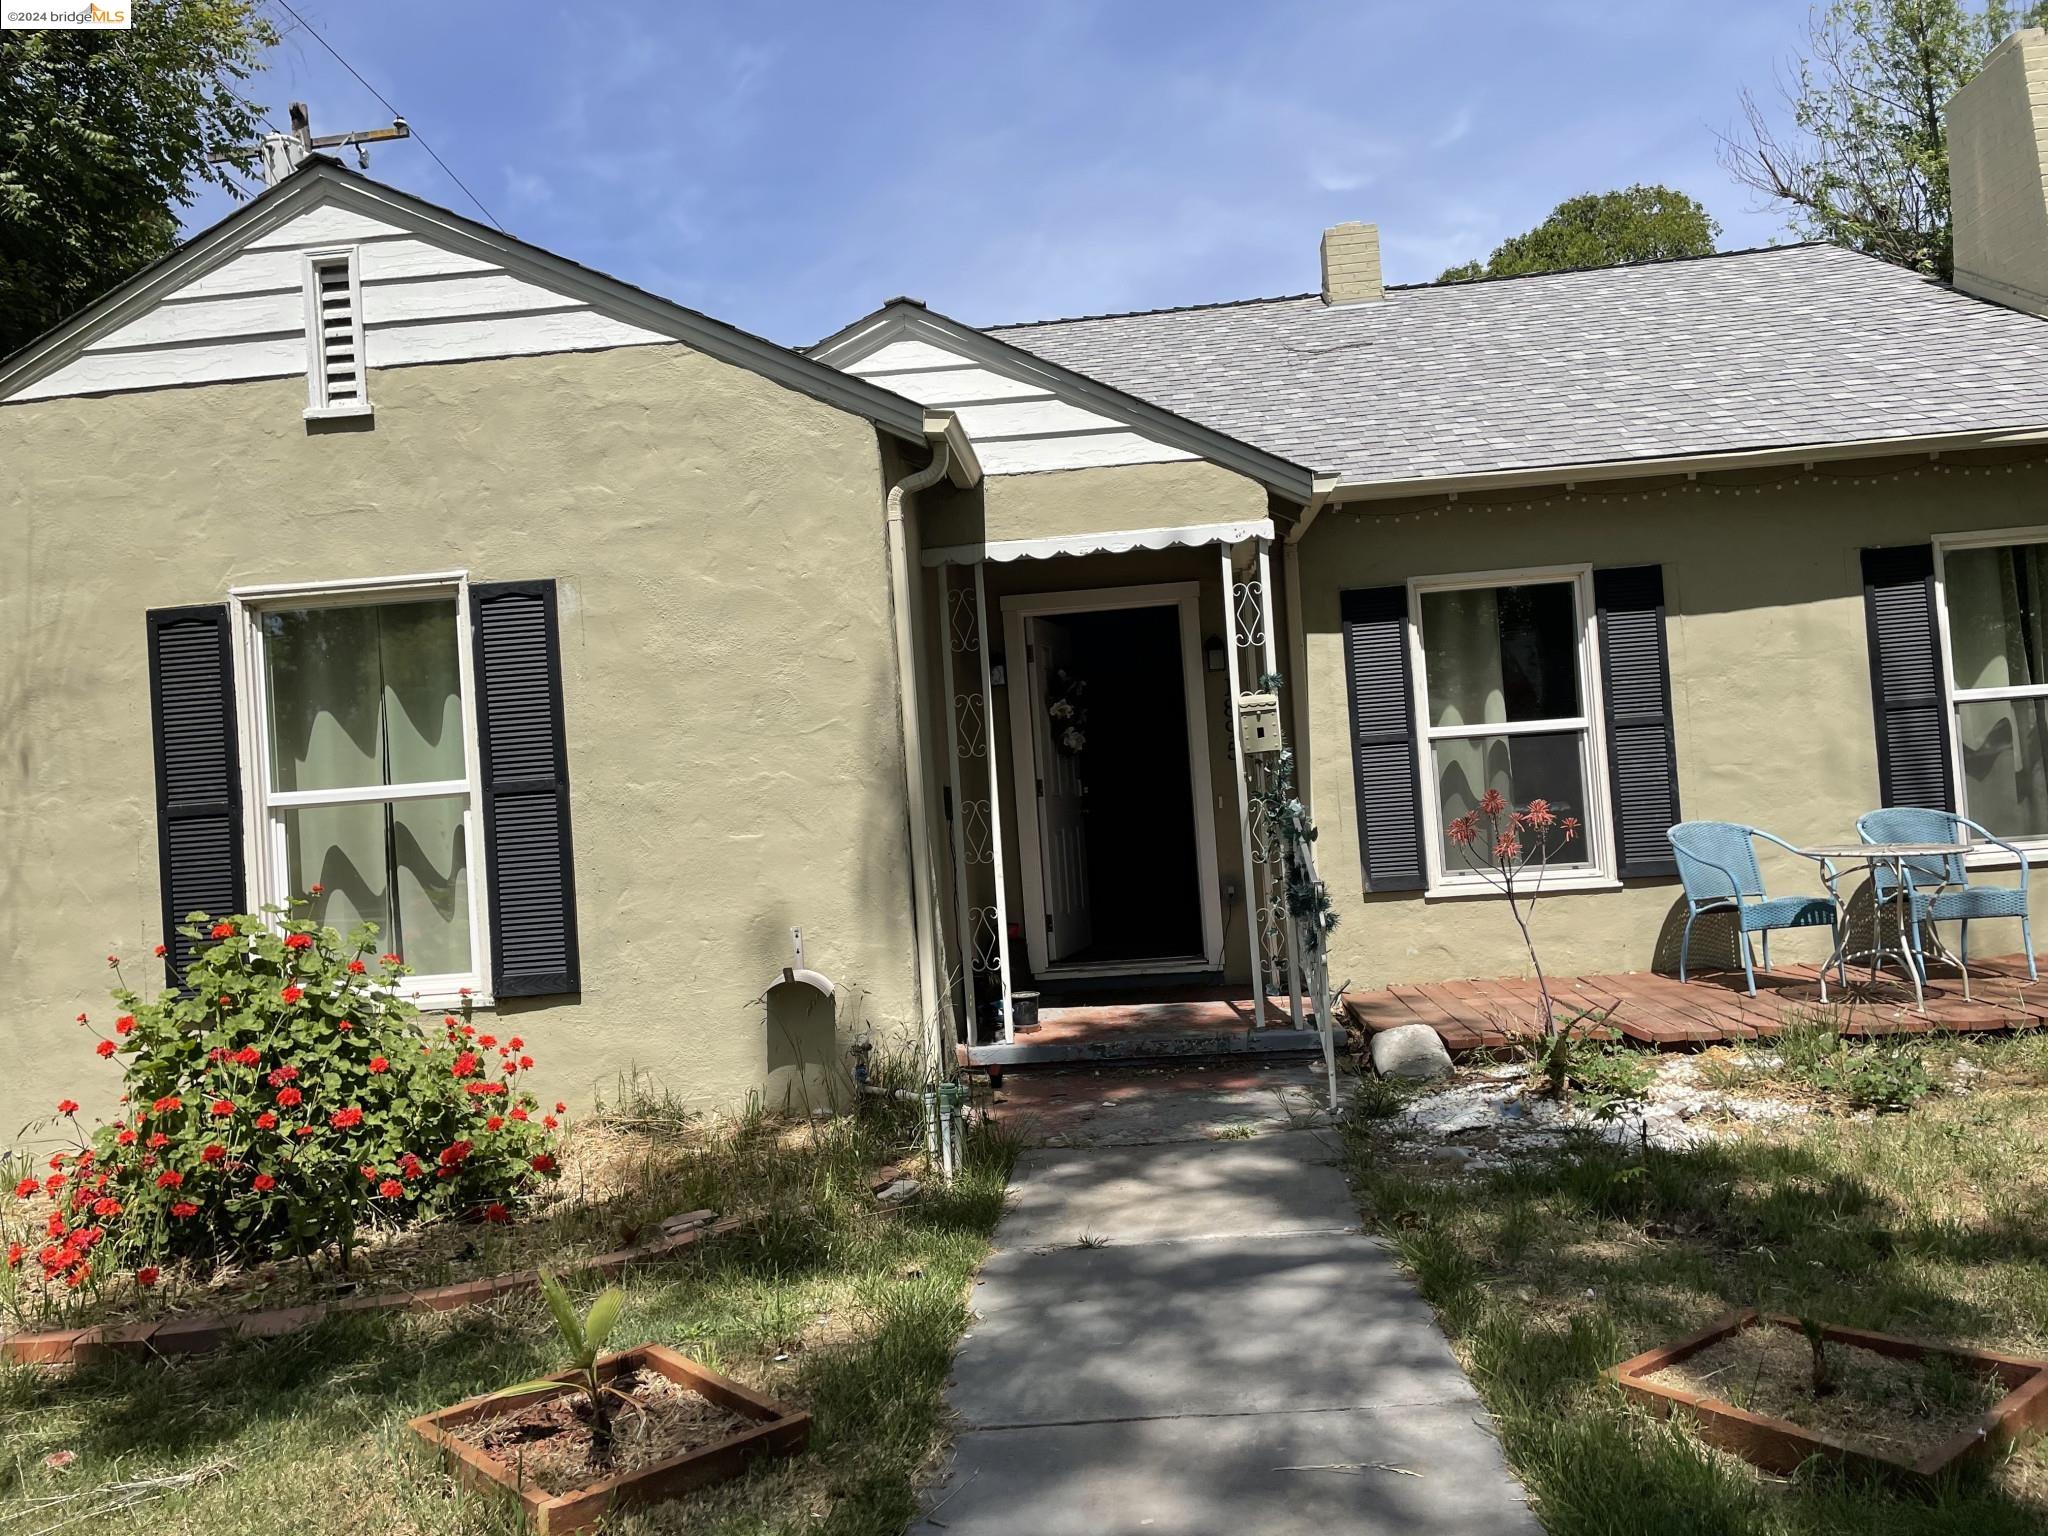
{"x":789,"y":166}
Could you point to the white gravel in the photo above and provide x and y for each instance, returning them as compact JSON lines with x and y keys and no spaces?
{"x":1484,"y":1117}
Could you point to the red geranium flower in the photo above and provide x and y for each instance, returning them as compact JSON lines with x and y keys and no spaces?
{"x":561,"y":1108}
{"x":146,"y":1276}
{"x":223,"y":930}
{"x":221,"y":1108}
{"x":67,"y":1106}
{"x":105,"y":1048}
{"x":465,"y":1064}
{"x":183,"y":1209}
{"x":298,"y":941}
{"x":247,"y":1056}
{"x":344,"y":1026}
{"x":367,"y":1171}
{"x":548,"y":1121}
{"x":160,"y":951}
{"x":391,"y":959}
{"x":519,"y":1114}
{"x":282,"y":1075}
{"x":53,"y":1183}
{"x":159,"y":1139}
{"x":526,"y":1063}
{"x":124,"y":1023}
{"x":262,"y":1182}
{"x":212,"y":1152}
{"x":304,"y":1130}
{"x":516,"y":1043}
{"x":14,"y":1253}
{"x":487,"y":1041}
{"x":26,"y":1188}
{"x":106,"y":1205}
{"x":124,"y":1137}
{"x":289,"y":1096}
{"x":379,"y":1064}
{"x":496,"y":1212}
{"x":290,"y":995}
{"x":168,"y":1104}
{"x":356,"y":967}
{"x":495,"y":1123}
{"x":344,"y":1119}
{"x":170,"y":1178}
{"x":391,"y":1189}
{"x":265,"y":1121}
{"x":544,"y":1163}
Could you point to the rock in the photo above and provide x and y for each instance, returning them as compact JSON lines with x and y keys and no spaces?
{"x":1412,"y":1052}
{"x":900,"y":1191}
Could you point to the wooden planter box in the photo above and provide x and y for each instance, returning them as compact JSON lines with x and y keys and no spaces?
{"x":1778,"y":1445}
{"x":776,"y":1432}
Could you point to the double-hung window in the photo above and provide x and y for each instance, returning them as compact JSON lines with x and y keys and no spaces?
{"x":1506,"y":701}
{"x":362,"y":751}
{"x":1994,"y":606}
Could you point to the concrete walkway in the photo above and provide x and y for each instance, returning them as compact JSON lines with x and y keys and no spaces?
{"x":1180,"y":1335}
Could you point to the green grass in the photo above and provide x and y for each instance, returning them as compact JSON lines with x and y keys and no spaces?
{"x":308,"y":1433}
{"x":1932,"y":1222}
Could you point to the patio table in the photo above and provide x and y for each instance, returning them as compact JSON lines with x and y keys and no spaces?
{"x":1876,"y":856}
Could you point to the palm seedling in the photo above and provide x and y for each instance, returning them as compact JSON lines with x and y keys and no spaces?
{"x":584,"y":1338}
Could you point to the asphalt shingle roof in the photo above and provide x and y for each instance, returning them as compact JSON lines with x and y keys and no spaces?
{"x":1787,"y":346}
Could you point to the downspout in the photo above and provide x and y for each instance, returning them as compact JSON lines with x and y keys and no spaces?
{"x":1297,"y":637}
{"x":922,"y":926}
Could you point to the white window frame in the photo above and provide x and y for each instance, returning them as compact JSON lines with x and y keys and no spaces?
{"x":264,"y":851}
{"x":1984,"y":858}
{"x":317,"y":406}
{"x":1598,"y":873}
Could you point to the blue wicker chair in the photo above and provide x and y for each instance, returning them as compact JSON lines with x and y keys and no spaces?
{"x":1914,"y":824}
{"x":1717,"y":865}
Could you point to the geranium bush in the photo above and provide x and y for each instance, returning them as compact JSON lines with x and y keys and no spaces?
{"x":280,"y":1099}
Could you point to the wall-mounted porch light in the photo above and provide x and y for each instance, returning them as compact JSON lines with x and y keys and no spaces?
{"x":1212,"y":652}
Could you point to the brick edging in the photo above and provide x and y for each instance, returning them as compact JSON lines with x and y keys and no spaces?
{"x":202,"y":1332}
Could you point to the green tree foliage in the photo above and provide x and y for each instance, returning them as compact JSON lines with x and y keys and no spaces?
{"x":1863,"y":160}
{"x":1602,"y":229}
{"x":103,"y":135}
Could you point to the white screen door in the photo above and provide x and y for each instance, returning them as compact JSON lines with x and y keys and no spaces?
{"x":1062,"y":797}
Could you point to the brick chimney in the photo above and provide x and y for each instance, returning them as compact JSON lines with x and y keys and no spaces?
{"x":1998,"y":173}
{"x":1351,"y":264}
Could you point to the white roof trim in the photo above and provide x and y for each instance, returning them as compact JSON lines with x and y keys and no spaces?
{"x":1115,"y":541}
{"x":321,"y":180}
{"x":908,"y":320}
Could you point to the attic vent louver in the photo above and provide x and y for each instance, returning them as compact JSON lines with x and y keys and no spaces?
{"x":335,"y":380}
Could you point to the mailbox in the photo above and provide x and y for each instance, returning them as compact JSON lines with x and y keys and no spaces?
{"x":1258,"y":716}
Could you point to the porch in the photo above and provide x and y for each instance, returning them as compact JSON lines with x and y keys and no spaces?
{"x":1659,"y":1010}
{"x":1106,"y":725}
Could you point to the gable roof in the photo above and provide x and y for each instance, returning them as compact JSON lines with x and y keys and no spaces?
{"x":937,"y":350}
{"x":1783,"y":347}
{"x":321,"y":182}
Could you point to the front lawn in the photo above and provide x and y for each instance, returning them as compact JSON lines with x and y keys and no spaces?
{"x":1554,"y":1262}
{"x":826,"y":1299}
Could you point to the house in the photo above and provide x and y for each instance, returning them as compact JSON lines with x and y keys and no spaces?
{"x":702,"y":703}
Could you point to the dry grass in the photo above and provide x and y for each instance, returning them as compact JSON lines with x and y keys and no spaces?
{"x":1930,"y":1223}
{"x":824,"y":1300}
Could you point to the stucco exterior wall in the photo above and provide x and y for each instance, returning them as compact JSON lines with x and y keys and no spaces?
{"x":1770,"y":687}
{"x":1044,"y":506}
{"x":734,"y":749}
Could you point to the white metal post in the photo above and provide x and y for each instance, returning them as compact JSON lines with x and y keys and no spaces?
{"x":995,"y":805}
{"x":963,"y":904}
{"x":1272,"y":657}
{"x":1248,"y":892}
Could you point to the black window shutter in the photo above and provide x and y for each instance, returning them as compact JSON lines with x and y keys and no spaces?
{"x":1385,"y":760}
{"x":198,"y":771}
{"x":1905,"y":677}
{"x":1642,"y":746}
{"x":525,"y":774}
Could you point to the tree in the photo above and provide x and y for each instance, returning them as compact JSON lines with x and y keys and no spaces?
{"x":1864,"y":162}
{"x":103,"y":135}
{"x":1602,"y":229}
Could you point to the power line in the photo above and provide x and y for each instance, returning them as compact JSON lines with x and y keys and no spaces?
{"x":490,"y":217}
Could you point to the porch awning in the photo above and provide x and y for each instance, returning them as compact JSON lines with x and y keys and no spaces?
{"x":1113,"y":541}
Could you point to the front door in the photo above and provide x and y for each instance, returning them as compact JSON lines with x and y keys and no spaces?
{"x":1059,"y":713}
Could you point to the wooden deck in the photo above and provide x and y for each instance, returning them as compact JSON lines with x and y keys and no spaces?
{"x":1663,"y":1011}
